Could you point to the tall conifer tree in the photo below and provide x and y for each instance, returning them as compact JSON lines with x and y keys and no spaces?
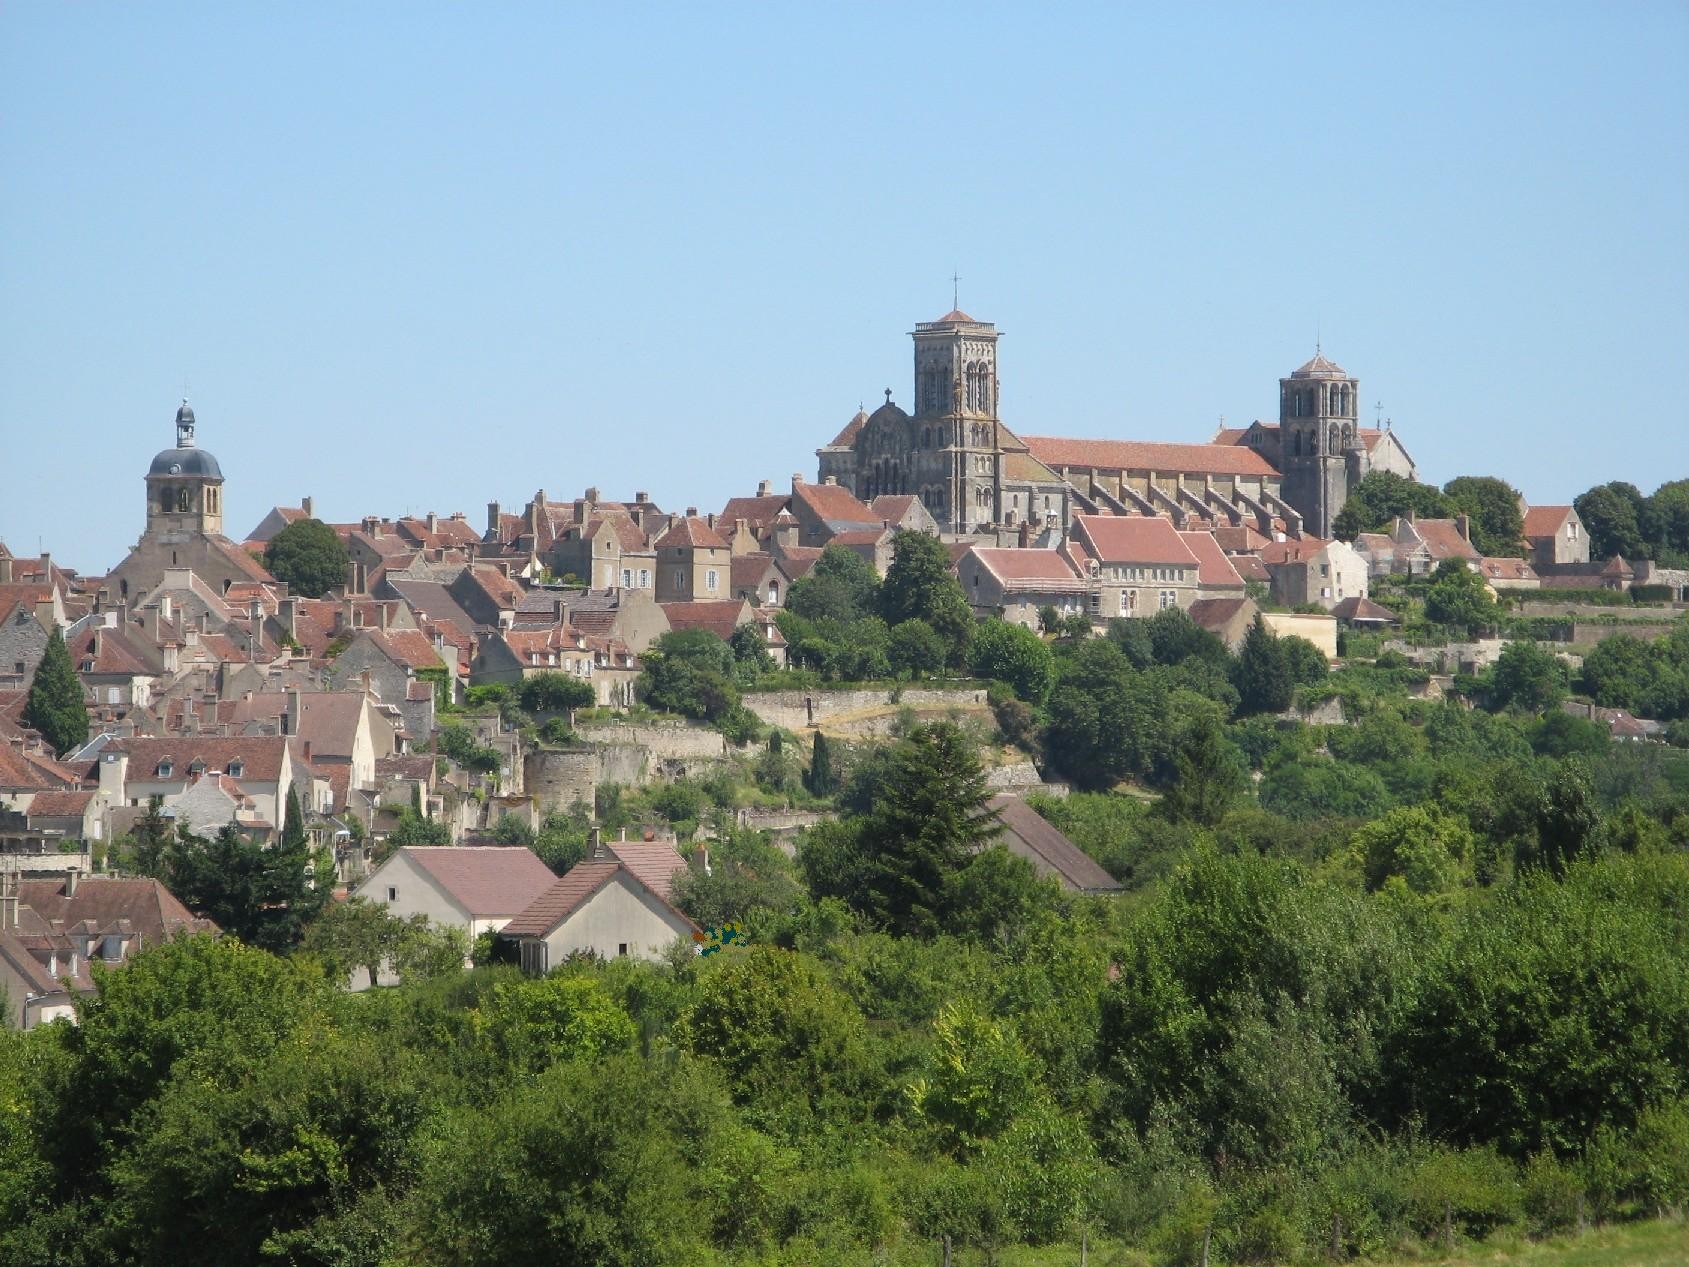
{"x":55,"y":706}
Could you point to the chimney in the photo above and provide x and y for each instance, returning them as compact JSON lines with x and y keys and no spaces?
{"x":381,"y":616}
{"x":797,"y":481}
{"x":1412,"y":515}
{"x":1463,"y":521}
{"x":372,"y":525}
{"x":5,"y":569}
{"x":641,"y":498}
{"x":592,"y":496}
{"x":364,"y":681}
{"x":102,"y":597}
{"x":254,"y":610}
{"x":8,"y":900}
{"x":831,"y":481}
{"x":433,"y":522}
{"x":710,"y":519}
{"x":1025,"y":534}
{"x":72,"y":875}
{"x":166,"y":607}
{"x":493,"y":517}
{"x":288,"y":611}
{"x":762,"y":488}
{"x":691,"y":512}
{"x":595,"y":844}
{"x":46,"y":567}
{"x":295,"y":709}
{"x":305,"y":505}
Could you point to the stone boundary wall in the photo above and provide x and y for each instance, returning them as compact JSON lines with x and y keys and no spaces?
{"x":1022,"y":776}
{"x":1588,"y":635}
{"x":1658,"y":611}
{"x":666,"y":741}
{"x":787,"y":708}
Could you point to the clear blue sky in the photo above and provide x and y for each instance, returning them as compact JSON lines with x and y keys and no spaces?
{"x":411,"y":257}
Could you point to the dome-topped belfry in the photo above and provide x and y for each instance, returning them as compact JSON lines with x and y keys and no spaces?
{"x":184,"y":527}
{"x":185,"y":485}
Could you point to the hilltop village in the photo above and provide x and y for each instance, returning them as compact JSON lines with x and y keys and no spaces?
{"x":1136,"y":810}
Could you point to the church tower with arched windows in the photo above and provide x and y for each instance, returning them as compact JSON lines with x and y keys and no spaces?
{"x":184,"y":486}
{"x":184,"y":526}
{"x":956,"y":413}
{"x":1320,"y":450}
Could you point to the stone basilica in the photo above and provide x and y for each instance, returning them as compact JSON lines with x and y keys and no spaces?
{"x":975,"y":475}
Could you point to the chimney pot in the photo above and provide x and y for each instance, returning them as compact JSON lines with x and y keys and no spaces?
{"x":831,"y":481}
{"x":797,"y":479}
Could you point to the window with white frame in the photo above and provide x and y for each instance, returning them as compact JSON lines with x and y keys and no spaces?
{"x":627,"y":578}
{"x":710,"y":580}
{"x":1168,"y":599}
{"x":644,"y":578}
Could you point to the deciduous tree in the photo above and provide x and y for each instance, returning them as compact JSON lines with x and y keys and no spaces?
{"x":309,"y":556}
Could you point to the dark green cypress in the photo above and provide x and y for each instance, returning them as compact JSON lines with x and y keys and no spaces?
{"x":55,"y":706}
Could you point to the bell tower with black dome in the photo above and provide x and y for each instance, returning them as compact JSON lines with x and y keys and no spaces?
{"x":184,"y":528}
{"x":184,"y":486}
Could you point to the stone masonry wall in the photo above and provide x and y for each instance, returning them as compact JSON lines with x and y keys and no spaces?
{"x":787,"y":708}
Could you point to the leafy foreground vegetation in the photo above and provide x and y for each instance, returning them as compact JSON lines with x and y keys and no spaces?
{"x":1389,"y":990}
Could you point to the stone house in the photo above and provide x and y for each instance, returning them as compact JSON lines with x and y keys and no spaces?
{"x":1016,"y":584}
{"x":1142,"y":565}
{"x":609,"y":551}
{"x":1310,"y":570}
{"x":1555,"y":535}
{"x":264,"y":768}
{"x":597,"y":907}
{"x":1228,"y":619}
{"x":52,"y":931}
{"x":391,"y":663}
{"x":28,"y":616}
{"x":693,"y":563}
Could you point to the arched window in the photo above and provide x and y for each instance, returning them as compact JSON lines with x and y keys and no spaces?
{"x":1336,"y":439}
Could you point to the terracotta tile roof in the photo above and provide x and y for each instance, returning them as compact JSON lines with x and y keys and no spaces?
{"x":1072,"y":865}
{"x":1026,"y":565}
{"x":629,"y":536}
{"x":488,"y":881}
{"x":796,"y":561}
{"x":572,"y":891}
{"x":415,"y":767}
{"x":260,"y":756}
{"x":1290,"y":550}
{"x":1133,"y":539}
{"x":654,"y":862}
{"x":103,"y":650}
{"x":833,"y":504}
{"x":1545,"y":521}
{"x":1241,"y":539}
{"x":33,"y":771}
{"x":1442,"y":538}
{"x":691,"y":532}
{"x":60,"y":804}
{"x":407,"y":646}
{"x":1364,"y":611}
{"x":1503,"y":569}
{"x":852,"y":429}
{"x":149,"y":908}
{"x":1214,"y":614}
{"x":720,"y":617}
{"x":1141,"y":455}
{"x":758,"y":512}
{"x":748,"y":570}
{"x":1250,"y":568}
{"x":893,"y":506}
{"x":1214,"y":569}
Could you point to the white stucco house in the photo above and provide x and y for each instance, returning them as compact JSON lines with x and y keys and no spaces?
{"x":602,"y":907}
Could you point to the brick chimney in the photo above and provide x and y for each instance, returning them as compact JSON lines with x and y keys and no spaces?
{"x":1463,"y":522}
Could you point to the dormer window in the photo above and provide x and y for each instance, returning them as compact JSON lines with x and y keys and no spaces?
{"x":87,"y":666}
{"x":197,"y":767}
{"x":166,"y":769}
{"x":236,"y":769}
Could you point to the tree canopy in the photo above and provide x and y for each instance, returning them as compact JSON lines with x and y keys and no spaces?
{"x":1381,"y":496}
{"x":309,"y":556}
{"x":1492,"y":508}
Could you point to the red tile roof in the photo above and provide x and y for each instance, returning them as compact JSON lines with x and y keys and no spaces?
{"x":655,"y":863}
{"x":833,"y":503}
{"x":1134,"y":539}
{"x":1026,"y":565}
{"x":488,"y":881}
{"x":691,"y":532}
{"x":60,"y":804}
{"x":572,"y":891}
{"x":1214,"y":569}
{"x":1141,"y":455}
{"x":32,"y":771}
{"x":1291,"y":550}
{"x":758,"y":512}
{"x":1442,"y":538}
{"x":721,"y":617}
{"x":852,"y":429}
{"x":260,"y":756}
{"x":1545,"y":521}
